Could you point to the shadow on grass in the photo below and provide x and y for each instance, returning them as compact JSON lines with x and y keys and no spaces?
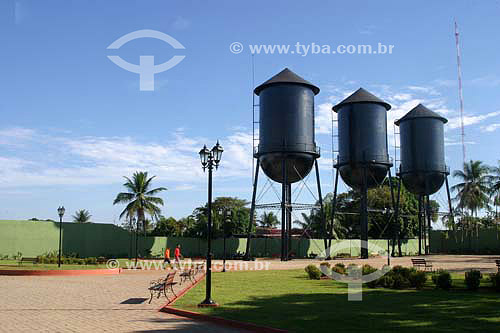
{"x":380,"y":310}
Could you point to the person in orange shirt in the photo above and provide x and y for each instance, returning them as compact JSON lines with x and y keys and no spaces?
{"x":167,"y":257}
{"x":178,"y":255}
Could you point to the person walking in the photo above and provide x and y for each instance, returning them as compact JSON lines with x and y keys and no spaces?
{"x":167,"y":257}
{"x":178,"y":255}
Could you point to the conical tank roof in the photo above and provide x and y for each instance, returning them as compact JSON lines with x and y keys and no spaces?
{"x":286,"y":76}
{"x":361,"y":96}
{"x":420,"y":111}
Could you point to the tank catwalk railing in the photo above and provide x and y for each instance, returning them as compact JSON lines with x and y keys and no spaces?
{"x":293,"y":148}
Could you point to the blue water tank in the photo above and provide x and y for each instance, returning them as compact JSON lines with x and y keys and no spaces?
{"x":362,"y":139}
{"x":423,"y":169}
{"x":286,"y":126}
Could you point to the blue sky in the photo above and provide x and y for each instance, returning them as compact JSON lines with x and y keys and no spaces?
{"x":73,"y":123}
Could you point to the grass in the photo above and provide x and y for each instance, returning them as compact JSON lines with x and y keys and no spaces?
{"x":287,"y":299}
{"x":11,"y":264}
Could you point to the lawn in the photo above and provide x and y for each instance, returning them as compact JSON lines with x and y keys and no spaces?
{"x":287,"y":299}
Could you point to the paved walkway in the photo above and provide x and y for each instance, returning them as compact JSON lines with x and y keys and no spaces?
{"x":88,"y":304}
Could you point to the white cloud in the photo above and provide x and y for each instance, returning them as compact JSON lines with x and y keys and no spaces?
{"x":323,"y":118}
{"x":487,"y":80}
{"x":402,"y":97}
{"x":424,"y":90}
{"x":455,"y":122}
{"x":16,"y":136}
{"x":446,"y":82}
{"x":104,"y":160}
{"x":491,"y":127}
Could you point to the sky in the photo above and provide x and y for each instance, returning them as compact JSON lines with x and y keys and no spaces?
{"x":73,"y":123}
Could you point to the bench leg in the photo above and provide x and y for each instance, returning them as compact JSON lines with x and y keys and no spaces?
{"x":151,"y":298}
{"x":172,"y":288}
{"x":165,"y":293}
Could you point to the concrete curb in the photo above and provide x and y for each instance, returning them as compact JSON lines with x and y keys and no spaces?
{"x":61,"y":272}
{"x":167,"y":308}
{"x":220,"y":321}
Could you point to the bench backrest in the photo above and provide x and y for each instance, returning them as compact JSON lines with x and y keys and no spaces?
{"x":170,"y":278}
{"x":418,"y":261}
{"x":497,"y":262}
{"x":29,"y":259}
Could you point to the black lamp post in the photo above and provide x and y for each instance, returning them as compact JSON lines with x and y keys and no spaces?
{"x":209,"y":159}
{"x":60,"y":211}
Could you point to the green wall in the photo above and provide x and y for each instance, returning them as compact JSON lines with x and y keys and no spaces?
{"x":33,"y":238}
{"x":459,"y":242}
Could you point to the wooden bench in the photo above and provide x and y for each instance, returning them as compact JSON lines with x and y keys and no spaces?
{"x":497,"y":262}
{"x":26,"y":259}
{"x":199,"y":267}
{"x":188,"y":274}
{"x":421,"y":263}
{"x":162,"y":285}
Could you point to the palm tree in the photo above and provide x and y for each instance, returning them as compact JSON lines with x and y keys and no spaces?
{"x":473,"y":190}
{"x":495,"y":187}
{"x":82,"y":216}
{"x":495,"y":191}
{"x":140,"y":198}
{"x":268,"y":220}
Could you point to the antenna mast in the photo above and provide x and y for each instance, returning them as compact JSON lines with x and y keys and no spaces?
{"x":460,"y":95}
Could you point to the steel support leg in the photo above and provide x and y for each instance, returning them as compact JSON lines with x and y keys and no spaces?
{"x":252,"y":212}
{"x":322,"y":210}
{"x":289,"y":220}
{"x":420,"y":211}
{"x":334,"y":208}
{"x":283,"y":210}
{"x":364,"y":217}
{"x":429,"y":218}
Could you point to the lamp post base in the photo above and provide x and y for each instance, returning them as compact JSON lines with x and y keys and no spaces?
{"x":208,"y":303}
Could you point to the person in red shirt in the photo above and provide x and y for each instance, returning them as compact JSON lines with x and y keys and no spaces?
{"x":167,"y":257}
{"x":178,"y":254}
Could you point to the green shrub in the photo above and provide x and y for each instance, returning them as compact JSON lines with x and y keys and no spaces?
{"x":313,"y":272}
{"x":91,"y":261}
{"x":400,"y":282}
{"x":385,"y":281}
{"x":339,"y":268}
{"x":417,"y":279}
{"x":442,"y":279}
{"x":473,"y":279}
{"x":403,"y":271}
{"x":367,"y":269}
{"x":324,"y":267}
{"x":354,"y":271}
{"x":495,"y":281}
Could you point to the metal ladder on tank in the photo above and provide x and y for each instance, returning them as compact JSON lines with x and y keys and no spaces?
{"x":255,"y":128}
{"x":397,"y":148}
{"x":335,"y":176}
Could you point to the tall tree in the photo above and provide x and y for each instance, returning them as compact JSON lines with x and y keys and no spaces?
{"x":82,"y":216}
{"x":472,"y":191}
{"x":268,"y":220}
{"x":226,"y":211}
{"x":140,"y":198}
{"x":495,"y":187}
